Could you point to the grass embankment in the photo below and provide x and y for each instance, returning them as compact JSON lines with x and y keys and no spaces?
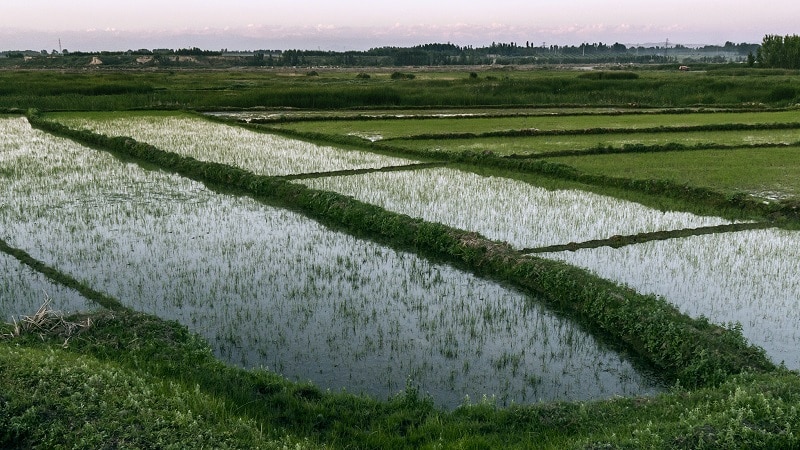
{"x":128,"y":380}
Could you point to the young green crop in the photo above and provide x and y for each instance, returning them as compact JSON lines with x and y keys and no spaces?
{"x":541,"y":145}
{"x":459,"y":121}
{"x":766,"y":173}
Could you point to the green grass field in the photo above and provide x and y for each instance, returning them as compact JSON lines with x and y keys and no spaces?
{"x":131,"y":380}
{"x":541,"y":145}
{"x":770,"y":173}
{"x":210,"y":90}
{"x":531,"y":119}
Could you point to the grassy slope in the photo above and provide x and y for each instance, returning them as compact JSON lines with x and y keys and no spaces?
{"x":132,"y":380}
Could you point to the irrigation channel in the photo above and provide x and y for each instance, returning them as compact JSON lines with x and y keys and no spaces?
{"x":269,"y":287}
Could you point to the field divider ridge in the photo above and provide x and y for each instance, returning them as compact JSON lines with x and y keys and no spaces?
{"x":61,"y":278}
{"x":641,"y":148}
{"x":618,"y":241}
{"x":337,"y":173}
{"x":679,"y":348}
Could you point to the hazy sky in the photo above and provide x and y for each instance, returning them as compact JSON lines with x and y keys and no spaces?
{"x":90,"y":25}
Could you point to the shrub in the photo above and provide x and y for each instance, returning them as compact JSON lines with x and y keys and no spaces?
{"x":402,"y":76}
{"x":782,"y":93}
{"x":594,"y":75}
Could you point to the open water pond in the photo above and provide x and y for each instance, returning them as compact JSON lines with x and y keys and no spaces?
{"x":23,"y":291}
{"x":260,"y":153}
{"x":750,"y":277}
{"x":524,"y":215}
{"x":270,"y":288}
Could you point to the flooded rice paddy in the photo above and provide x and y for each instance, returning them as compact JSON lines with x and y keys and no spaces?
{"x":260,"y":153}
{"x":749,"y":277}
{"x":503,"y":209}
{"x":270,"y":288}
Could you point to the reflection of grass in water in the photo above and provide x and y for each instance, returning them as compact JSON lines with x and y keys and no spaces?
{"x":507,"y":210}
{"x":268,"y":287}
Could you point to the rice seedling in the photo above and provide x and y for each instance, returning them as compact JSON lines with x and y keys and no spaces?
{"x":260,"y":153}
{"x":502,"y":209}
{"x":270,"y":288}
{"x":745,"y":279}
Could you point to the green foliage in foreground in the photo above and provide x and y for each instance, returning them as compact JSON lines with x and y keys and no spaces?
{"x":134,"y":381}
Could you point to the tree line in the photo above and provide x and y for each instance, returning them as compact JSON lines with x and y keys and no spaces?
{"x":779,"y":52}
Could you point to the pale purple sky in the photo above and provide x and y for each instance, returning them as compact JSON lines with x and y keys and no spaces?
{"x":90,"y":25}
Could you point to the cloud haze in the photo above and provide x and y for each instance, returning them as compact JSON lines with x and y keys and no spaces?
{"x":91,"y":25}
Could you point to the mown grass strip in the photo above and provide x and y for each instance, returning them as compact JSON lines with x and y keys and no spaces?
{"x":690,"y":351}
{"x":621,"y":241}
{"x":60,"y":277}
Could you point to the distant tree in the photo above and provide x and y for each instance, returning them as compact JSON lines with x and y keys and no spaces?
{"x":779,"y":52}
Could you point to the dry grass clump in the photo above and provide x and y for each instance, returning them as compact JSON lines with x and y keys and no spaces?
{"x":46,"y":322}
